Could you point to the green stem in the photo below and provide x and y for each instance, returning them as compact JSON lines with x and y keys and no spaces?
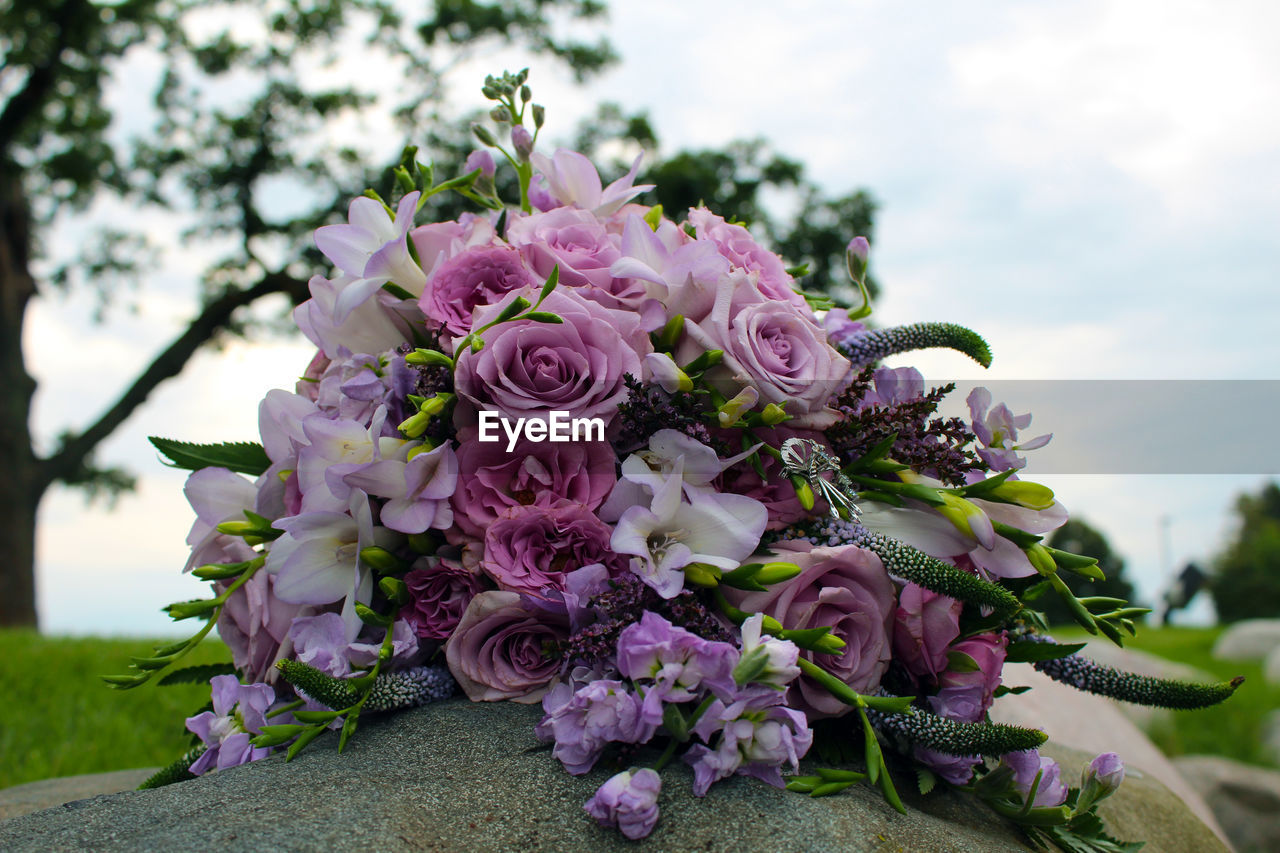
{"x":667,"y":754}
{"x":834,"y":686}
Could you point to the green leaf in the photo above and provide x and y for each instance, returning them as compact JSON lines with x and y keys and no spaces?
{"x":1027,"y":651}
{"x":1008,"y":691}
{"x":552,"y":281}
{"x":958,"y":661}
{"x":925,"y":780}
{"x":544,"y":317}
{"x":199,"y":674}
{"x":244,"y":457}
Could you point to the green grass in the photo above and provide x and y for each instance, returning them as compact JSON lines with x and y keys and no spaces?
{"x":1232,"y":729}
{"x":60,"y":719}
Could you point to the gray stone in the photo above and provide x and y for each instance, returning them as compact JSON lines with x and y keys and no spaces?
{"x":1271,"y":666}
{"x":1251,"y":639}
{"x":457,"y":776}
{"x":1269,"y":735}
{"x":34,"y":796}
{"x":1245,"y":798}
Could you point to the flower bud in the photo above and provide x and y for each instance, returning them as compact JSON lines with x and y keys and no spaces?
{"x":482,"y":160}
{"x":483,"y":134}
{"x":664,"y":371}
{"x":856,"y":255}
{"x":500,"y":114}
{"x":539,"y":115}
{"x":522,"y":139}
{"x":1099,"y":780}
{"x":968,"y":518}
{"x":773,"y":414}
{"x":733,"y":409}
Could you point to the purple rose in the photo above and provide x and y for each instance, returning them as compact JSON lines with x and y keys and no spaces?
{"x":479,"y":276}
{"x":741,"y":249}
{"x":534,"y":473}
{"x":440,"y":241}
{"x":847,"y":589}
{"x":771,"y":346}
{"x":1029,"y":763}
{"x":502,"y":648}
{"x":925,"y":625}
{"x":439,"y":593}
{"x":529,"y":549}
{"x":527,"y":368}
{"x":628,"y":801}
{"x":568,"y":237}
{"x":967,"y":696}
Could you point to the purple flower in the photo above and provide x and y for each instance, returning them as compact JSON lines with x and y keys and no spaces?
{"x":679,"y":663}
{"x":352,"y":387}
{"x":924,"y":626}
{"x":582,"y":723}
{"x":254,"y":623}
{"x":439,"y":594}
{"x":771,"y":346}
{"x":217,"y":495}
{"x":967,"y":696}
{"x":628,"y":801}
{"x":331,"y":324}
{"x":321,"y":641}
{"x":527,"y":369}
{"x":956,"y":769}
{"x":572,"y":239}
{"x":765,"y":660}
{"x":755,"y":745}
{"x":335,"y":449}
{"x":373,"y":246}
{"x":997,"y":430}
{"x":844,"y":588}
{"x":542,"y":473}
{"x":573,"y":180}
{"x":479,"y":276}
{"x":1107,"y":769}
{"x":773,"y":489}
{"x":418,"y":490}
{"x":404,"y":647}
{"x":840,"y":329}
{"x":530,"y":549}
{"x":742,"y":251}
{"x":503,"y":648}
{"x":239,"y":712}
{"x":1026,"y":765}
{"x":481,"y":159}
{"x":892,"y":386}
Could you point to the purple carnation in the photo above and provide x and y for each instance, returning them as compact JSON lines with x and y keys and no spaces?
{"x":479,"y":276}
{"x":439,"y":594}
{"x":530,"y":549}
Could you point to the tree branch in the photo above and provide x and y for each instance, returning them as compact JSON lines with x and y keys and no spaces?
{"x":63,"y":464}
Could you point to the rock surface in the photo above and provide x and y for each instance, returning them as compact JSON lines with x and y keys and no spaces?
{"x":1250,"y":639}
{"x":457,"y":776}
{"x":47,"y":793}
{"x":1245,"y":798}
{"x":1271,"y":666}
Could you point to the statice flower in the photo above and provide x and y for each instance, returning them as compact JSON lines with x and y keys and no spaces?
{"x":239,"y":712}
{"x":997,"y":429}
{"x":628,"y":801}
{"x":582,"y":723}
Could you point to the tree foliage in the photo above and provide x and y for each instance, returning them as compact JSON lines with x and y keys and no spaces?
{"x":1246,"y":580}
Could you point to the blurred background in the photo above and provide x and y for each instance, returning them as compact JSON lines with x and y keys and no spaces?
{"x":1090,"y":185}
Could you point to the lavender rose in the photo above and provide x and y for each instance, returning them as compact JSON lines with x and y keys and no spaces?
{"x":570,"y":238}
{"x":529,"y":549}
{"x":500,"y":648}
{"x":479,"y":276}
{"x":847,"y":589}
{"x":491,"y":480}
{"x":527,"y":368}
{"x":439,"y":594}
{"x":741,"y":249}
{"x":771,"y":346}
{"x":967,"y":696}
{"x":924,"y":626}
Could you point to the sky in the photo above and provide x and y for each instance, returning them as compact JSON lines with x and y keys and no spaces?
{"x":1090,"y":185}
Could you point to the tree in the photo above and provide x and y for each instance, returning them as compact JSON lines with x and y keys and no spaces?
{"x":237,"y":115}
{"x":1246,"y":579}
{"x":1078,"y":537}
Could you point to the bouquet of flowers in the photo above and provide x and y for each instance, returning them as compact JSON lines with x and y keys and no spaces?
{"x":572,"y":451}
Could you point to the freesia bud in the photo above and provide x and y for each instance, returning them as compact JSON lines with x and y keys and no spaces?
{"x":483,"y":134}
{"x":666,"y":373}
{"x":1100,"y":780}
{"x":539,"y":115}
{"x":856,"y":255}
{"x":522,"y":139}
{"x":773,"y":414}
{"x":968,"y":518}
{"x":482,"y":160}
{"x":741,"y":402}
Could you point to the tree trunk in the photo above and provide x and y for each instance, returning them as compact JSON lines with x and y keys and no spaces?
{"x":21,"y":481}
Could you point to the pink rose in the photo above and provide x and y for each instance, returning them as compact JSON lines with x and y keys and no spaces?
{"x":479,"y":276}
{"x":527,"y":368}
{"x":925,"y":625}
{"x":491,"y":480}
{"x":771,"y":346}
{"x":530,"y":549}
{"x":568,"y":237}
{"x":741,"y":249}
{"x":440,"y":241}
{"x":501,"y":648}
{"x":847,"y":589}
{"x":439,"y":594}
